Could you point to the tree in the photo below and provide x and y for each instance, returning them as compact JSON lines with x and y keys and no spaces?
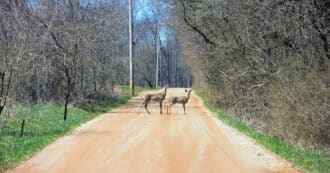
{"x":256,"y":59}
{"x":13,"y":45}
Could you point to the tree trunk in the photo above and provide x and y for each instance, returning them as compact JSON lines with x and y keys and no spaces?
{"x":66,"y":105}
{"x":69,"y":89}
{"x":148,"y":82}
{"x":22,"y":128}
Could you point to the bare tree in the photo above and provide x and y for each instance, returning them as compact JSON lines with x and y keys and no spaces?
{"x":257,"y":59}
{"x":13,"y":44}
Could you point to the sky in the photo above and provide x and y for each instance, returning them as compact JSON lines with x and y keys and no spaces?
{"x":147,"y":8}
{"x":144,"y":9}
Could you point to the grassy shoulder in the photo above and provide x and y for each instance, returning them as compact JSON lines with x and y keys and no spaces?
{"x":126,"y":89}
{"x":44,"y":124}
{"x":307,"y":160}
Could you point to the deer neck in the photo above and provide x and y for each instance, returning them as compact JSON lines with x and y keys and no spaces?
{"x":164,"y":92}
{"x":188,"y":96}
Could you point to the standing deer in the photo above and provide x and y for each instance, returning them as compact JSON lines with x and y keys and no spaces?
{"x":153,"y":97}
{"x":183,"y":100}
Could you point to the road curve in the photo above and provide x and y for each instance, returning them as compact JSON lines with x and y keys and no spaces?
{"x":122,"y":141}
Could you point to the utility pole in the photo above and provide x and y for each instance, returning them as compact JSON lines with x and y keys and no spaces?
{"x":157,"y":52}
{"x":157,"y":5}
{"x":131,"y":70}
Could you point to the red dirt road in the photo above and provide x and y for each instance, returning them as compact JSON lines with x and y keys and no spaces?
{"x":124,"y":142}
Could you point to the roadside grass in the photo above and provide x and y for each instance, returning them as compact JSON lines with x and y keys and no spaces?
{"x":310,"y":161}
{"x":44,"y":124}
{"x":126,"y":89}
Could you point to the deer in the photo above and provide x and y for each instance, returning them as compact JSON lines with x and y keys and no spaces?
{"x":159,"y":97}
{"x":183,"y":100}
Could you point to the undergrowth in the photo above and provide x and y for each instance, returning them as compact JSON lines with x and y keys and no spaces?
{"x":308,"y":160}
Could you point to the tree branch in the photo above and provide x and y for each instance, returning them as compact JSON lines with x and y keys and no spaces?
{"x":206,"y":39}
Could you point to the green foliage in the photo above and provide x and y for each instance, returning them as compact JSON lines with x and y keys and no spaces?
{"x":310,"y":161}
{"x":44,"y":124}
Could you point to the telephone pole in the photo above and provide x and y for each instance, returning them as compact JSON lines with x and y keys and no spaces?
{"x":157,"y":56}
{"x":157,"y":5}
{"x":131,"y":68}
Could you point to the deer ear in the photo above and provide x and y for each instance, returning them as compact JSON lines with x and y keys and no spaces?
{"x":185,"y":90}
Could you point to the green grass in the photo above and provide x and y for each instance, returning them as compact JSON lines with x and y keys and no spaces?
{"x":307,"y":160}
{"x":44,"y":123}
{"x":126,"y":89}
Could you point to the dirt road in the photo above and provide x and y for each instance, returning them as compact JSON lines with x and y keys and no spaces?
{"x":123,"y":141}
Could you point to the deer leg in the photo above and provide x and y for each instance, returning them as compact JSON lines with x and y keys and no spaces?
{"x":167,"y":110}
{"x":140,"y":107}
{"x":167,"y":107}
{"x":170,"y":109}
{"x":146,"y":108}
{"x":161,"y":106}
{"x":184,"y":108}
{"x":145,"y":104}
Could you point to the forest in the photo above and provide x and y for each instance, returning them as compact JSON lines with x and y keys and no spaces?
{"x":264,"y":62}
{"x":62,"y":52}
